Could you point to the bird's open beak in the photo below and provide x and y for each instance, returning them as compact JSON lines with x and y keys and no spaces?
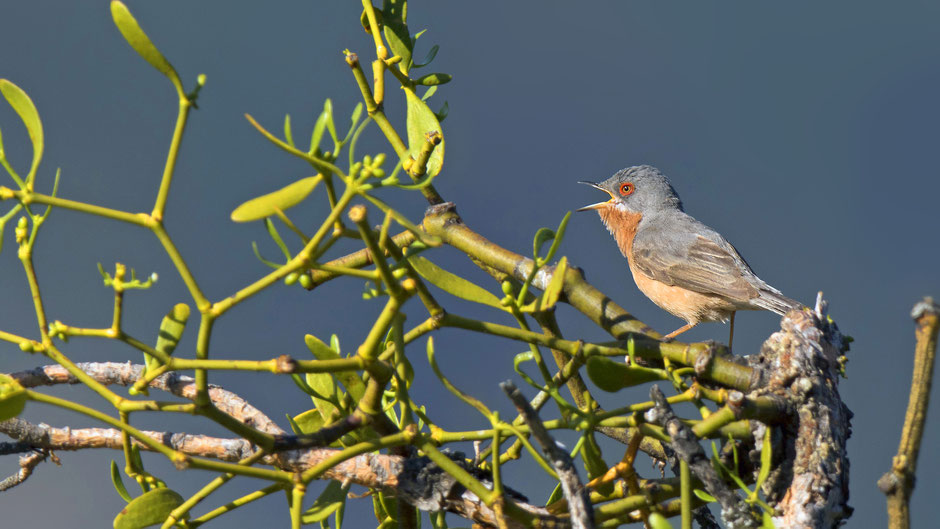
{"x":599,"y":204}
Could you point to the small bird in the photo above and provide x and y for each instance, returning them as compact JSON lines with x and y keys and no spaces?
{"x":682,"y":265}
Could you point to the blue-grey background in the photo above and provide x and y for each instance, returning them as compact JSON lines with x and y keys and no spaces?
{"x":805,"y":132}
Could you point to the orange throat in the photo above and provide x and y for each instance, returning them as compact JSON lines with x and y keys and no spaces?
{"x":622,"y":225}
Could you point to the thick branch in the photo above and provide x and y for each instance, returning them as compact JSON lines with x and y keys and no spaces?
{"x":801,"y":364}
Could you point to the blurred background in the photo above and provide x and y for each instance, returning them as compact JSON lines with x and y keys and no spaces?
{"x":802,"y":131}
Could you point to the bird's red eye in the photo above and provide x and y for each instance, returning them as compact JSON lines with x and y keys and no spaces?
{"x":626,"y":188}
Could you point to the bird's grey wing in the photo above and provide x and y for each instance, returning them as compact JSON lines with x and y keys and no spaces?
{"x":694,"y":262}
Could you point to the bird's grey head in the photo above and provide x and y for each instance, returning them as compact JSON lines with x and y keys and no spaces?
{"x":639,"y":189}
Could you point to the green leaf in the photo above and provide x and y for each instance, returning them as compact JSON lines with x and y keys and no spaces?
{"x":332,"y":498}
{"x":658,"y":521}
{"x":25,"y":108}
{"x":395,"y":20}
{"x":434,"y":79}
{"x":453,"y":284}
{"x":12,"y":397}
{"x":420,"y":121}
{"x":767,"y":520}
{"x":611,"y":375}
{"x":325,"y":386}
{"x":350,"y":379}
{"x":150,"y":508}
{"x":135,"y":36}
{"x":704,"y":496}
{"x":309,"y":421}
{"x":172,"y":327}
{"x":552,"y":292}
{"x":282,"y":199}
{"x":118,"y":482}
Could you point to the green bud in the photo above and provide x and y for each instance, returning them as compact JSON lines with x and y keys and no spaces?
{"x":507,"y":287}
{"x":291,"y":278}
{"x":379,"y":159}
{"x":306,"y":281}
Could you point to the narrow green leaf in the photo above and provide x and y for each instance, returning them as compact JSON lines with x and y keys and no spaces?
{"x":556,"y":495}
{"x":135,"y":36}
{"x":767,"y":520}
{"x":395,"y":23}
{"x":420,"y":121}
{"x":766,"y":459}
{"x":704,"y":496}
{"x":611,"y":375}
{"x":357,"y":113}
{"x":25,"y":108}
{"x":288,"y":134}
{"x":328,"y":110}
{"x":118,"y":482}
{"x":559,"y":235}
{"x":12,"y":397}
{"x":658,"y":521}
{"x":453,"y":284}
{"x":276,"y":237}
{"x":318,"y":129}
{"x":428,"y":57}
{"x":428,"y":93}
{"x":254,"y":248}
{"x":434,"y":79}
{"x":150,"y":508}
{"x":332,"y":498}
{"x":442,"y":113}
{"x":282,"y":199}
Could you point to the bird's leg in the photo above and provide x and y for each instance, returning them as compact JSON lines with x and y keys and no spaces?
{"x":677,"y":332}
{"x":731,"y":336}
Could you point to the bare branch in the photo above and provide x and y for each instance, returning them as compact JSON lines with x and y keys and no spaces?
{"x":579,"y":500}
{"x":898,"y":483}
{"x":686,"y":445}
{"x":27,"y":463}
{"x":126,"y":374}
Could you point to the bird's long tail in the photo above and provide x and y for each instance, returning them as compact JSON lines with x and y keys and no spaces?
{"x":772,"y":300}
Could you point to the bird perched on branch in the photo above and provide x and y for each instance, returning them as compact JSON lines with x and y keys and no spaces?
{"x":682,"y":265}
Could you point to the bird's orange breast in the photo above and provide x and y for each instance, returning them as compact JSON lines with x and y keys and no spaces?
{"x":689,"y":305}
